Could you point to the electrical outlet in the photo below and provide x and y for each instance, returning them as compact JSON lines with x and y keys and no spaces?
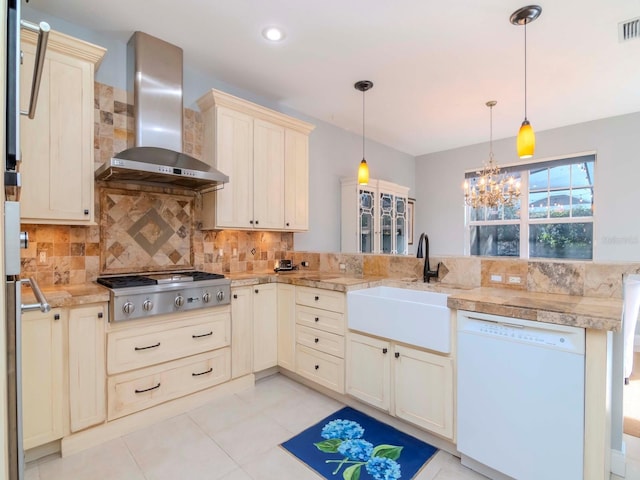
{"x":42,"y":256}
{"x":304,"y":263}
{"x":220,"y":252}
{"x":495,"y":278}
{"x":515,"y":279}
{"x":235,"y":252}
{"x":343,"y":267}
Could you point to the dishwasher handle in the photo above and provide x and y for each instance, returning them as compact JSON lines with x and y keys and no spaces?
{"x":42,"y":304}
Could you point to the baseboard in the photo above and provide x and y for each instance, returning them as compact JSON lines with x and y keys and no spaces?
{"x":618,"y":463}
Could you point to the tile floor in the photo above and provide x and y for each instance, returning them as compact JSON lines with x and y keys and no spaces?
{"x":232,"y":438}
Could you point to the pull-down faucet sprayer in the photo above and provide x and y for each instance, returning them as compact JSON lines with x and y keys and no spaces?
{"x":427,"y":273}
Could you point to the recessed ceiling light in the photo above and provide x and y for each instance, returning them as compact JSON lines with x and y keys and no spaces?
{"x":273,"y":34}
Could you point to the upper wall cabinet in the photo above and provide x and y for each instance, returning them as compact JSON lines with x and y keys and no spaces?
{"x":266,"y":156}
{"x":57,"y":145}
{"x":374,"y":217}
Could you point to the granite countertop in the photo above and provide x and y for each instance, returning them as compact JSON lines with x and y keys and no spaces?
{"x":585,"y":312}
{"x":68,"y":295}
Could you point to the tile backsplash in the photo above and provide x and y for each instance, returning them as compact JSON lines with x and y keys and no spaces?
{"x":135,"y":240}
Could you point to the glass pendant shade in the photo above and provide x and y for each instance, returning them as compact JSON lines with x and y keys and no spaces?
{"x":363,"y":173}
{"x":526,"y":141}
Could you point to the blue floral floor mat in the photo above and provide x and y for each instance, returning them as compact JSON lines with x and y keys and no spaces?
{"x":349,"y":445}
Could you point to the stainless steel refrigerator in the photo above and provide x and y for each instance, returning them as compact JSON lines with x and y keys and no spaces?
{"x":14,"y":239}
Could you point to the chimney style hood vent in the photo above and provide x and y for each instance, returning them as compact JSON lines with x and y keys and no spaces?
{"x":154,"y":70}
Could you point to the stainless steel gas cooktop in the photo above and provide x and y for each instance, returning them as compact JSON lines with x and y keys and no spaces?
{"x":145,"y":295}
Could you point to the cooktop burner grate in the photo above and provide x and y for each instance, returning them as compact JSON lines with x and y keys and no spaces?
{"x":126,"y":281}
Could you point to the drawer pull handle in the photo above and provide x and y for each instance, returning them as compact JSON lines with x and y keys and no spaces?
{"x":202,"y":373}
{"x":317,"y":340}
{"x":147,"y":389}
{"x":317,"y":319}
{"x":397,"y":354}
{"x":317,"y":298}
{"x":203,"y":335}
{"x":317,"y":367}
{"x":146,"y":348}
{"x":384,"y":350}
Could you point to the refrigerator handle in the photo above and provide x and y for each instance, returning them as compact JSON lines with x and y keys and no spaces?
{"x":42,"y":304}
{"x":42,"y":29}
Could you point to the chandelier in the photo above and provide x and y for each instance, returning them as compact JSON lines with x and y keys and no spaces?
{"x":491,"y":188}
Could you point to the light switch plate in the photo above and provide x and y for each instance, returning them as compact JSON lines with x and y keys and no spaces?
{"x":495,"y":278}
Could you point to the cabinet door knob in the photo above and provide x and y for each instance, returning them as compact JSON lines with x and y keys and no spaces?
{"x":317,"y":367}
{"x":397,"y":354}
{"x":257,"y":291}
{"x":317,"y":298}
{"x":86,"y":211}
{"x":256,"y":222}
{"x":317,"y":340}
{"x":317,"y":319}
{"x":56,"y":316}
{"x":100,"y":315}
{"x":235,"y":295}
{"x":251,"y":222}
{"x":384,"y":350}
{"x":287,"y":224}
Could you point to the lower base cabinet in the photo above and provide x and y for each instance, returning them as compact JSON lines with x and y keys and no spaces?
{"x":42,"y":377}
{"x":87,"y":366}
{"x":409,"y":383}
{"x":133,"y":391}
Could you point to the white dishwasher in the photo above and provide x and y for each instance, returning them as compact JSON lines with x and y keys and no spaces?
{"x":520,"y":395}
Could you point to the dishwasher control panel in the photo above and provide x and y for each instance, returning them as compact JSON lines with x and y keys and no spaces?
{"x":560,"y":337}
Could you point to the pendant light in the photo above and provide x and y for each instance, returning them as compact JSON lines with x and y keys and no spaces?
{"x":363,"y":170}
{"x":526,"y":141}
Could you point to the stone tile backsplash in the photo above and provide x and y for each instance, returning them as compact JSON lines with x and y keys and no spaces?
{"x":59,"y":255}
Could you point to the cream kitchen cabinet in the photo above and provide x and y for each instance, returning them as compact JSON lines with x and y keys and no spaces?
{"x":320,"y":328}
{"x":286,"y":326}
{"x":254,"y":331}
{"x":410,"y":383}
{"x":265,"y":327}
{"x":266,"y":156}
{"x":87,"y":366}
{"x":42,"y":376}
{"x":374,"y":217}
{"x":152,"y":362}
{"x":57,"y":145}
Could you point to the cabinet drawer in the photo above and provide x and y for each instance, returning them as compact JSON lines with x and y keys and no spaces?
{"x":321,"y":319}
{"x":321,"y":368}
{"x":320,"y":340}
{"x":141,"y":347}
{"x":134,"y":391}
{"x":318,"y":298}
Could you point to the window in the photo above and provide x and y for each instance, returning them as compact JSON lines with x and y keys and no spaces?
{"x":557,"y":221}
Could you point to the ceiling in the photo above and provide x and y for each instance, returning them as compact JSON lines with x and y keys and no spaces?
{"x":434,"y":64}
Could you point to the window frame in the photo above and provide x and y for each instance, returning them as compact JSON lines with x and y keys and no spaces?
{"x":524,"y":221}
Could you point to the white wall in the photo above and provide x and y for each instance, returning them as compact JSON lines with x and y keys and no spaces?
{"x":333,"y":152}
{"x":439,"y":177}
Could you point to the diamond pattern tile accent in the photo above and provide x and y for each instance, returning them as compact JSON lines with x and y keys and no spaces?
{"x":144,"y":231}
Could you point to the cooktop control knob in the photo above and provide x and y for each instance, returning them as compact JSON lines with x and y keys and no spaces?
{"x":206,"y":297}
{"x":220,"y":295}
{"x":179,"y":301}
{"x":147,"y":305}
{"x":128,"y":307}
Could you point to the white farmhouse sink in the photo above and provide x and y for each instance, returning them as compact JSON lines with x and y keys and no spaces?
{"x":409,"y":316}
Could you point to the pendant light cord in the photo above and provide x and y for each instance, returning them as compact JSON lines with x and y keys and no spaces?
{"x":525,"y":70}
{"x":363,"y":157}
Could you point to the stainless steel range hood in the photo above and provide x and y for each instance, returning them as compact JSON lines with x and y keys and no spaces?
{"x":154,"y":70}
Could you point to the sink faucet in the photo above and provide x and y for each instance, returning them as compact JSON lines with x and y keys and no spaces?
{"x":428,"y":273}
